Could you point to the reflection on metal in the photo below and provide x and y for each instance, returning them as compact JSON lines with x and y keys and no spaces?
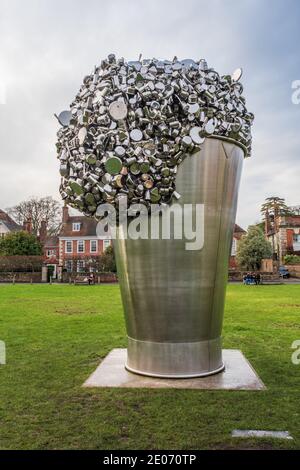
{"x":173,"y":298}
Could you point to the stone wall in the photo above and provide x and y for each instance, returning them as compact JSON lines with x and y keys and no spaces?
{"x":37,"y":277}
{"x":99,"y":277}
{"x":235,"y":276}
{"x":20,"y":277}
{"x":267,"y":265}
{"x":293,"y":269}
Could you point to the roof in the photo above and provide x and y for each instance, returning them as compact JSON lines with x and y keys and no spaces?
{"x":290,"y":221}
{"x":9,"y":222}
{"x":88,"y":227}
{"x":237,"y":228}
{"x":51,"y":241}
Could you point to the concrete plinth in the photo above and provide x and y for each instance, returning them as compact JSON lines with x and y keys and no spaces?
{"x":238,"y":375}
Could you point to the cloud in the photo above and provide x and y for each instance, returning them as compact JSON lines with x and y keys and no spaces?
{"x":48,"y":46}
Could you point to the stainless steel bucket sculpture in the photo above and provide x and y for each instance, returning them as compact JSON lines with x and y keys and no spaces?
{"x":173,"y":298}
{"x":149,"y":131}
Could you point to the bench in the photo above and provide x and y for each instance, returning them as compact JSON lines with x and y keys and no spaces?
{"x":81,"y":281}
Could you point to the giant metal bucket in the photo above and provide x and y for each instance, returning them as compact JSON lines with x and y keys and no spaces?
{"x":173,"y":298}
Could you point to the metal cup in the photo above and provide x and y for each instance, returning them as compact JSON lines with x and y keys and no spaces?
{"x":173,"y":298}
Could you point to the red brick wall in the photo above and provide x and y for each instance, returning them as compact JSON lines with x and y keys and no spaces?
{"x":293,"y":220}
{"x":52,"y":258}
{"x":21,"y":277}
{"x":86,"y":252}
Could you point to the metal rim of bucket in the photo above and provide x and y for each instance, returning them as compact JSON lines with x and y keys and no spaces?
{"x":169,"y":376}
{"x":230,"y":141}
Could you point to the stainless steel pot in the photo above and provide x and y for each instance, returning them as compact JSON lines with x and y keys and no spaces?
{"x":173,"y":298}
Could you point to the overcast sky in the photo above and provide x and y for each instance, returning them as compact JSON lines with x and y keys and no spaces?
{"x":47,"y":46}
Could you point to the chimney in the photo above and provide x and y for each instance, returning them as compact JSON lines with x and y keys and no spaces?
{"x":43,"y":231}
{"x":65,"y":214}
{"x":27,"y":225}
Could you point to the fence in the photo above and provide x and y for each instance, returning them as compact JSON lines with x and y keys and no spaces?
{"x":21,"y":268}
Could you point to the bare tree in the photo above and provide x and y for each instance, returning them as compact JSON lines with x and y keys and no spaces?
{"x":38,"y":209}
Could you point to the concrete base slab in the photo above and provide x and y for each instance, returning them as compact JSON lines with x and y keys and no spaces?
{"x":238,"y":375}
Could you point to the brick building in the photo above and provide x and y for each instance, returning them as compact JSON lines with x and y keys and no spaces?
{"x":283,"y":232}
{"x":237,"y":235}
{"x":78,"y":243}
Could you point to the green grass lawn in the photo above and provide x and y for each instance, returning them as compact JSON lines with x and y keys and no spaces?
{"x":57,"y":335}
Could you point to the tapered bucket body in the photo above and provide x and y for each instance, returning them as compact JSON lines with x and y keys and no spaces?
{"x":173,"y":297}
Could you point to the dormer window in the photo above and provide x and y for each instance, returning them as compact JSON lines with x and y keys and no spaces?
{"x":76,"y":226}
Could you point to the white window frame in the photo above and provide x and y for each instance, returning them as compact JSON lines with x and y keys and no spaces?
{"x":76,"y":226}
{"x":80,"y":243}
{"x":66,"y":246}
{"x":50,"y":253}
{"x":69,"y":262}
{"x":82,"y":263}
{"x":296,"y":242}
{"x":96,"y":246}
{"x":106,"y":243}
{"x":233,"y":247}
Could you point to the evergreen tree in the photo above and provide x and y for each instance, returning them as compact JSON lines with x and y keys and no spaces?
{"x":252,"y":248}
{"x":20,"y":243}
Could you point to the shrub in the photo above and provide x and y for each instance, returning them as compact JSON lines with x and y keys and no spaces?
{"x":292,"y":259}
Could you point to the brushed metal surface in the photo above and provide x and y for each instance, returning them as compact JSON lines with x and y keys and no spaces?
{"x":180,"y":360}
{"x":171,"y":295}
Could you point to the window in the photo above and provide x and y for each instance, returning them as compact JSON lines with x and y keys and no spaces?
{"x":69,"y":247}
{"x":93,"y":246}
{"x":69,"y":265}
{"x":80,"y":266}
{"x":80,"y":246}
{"x":50,"y":253}
{"x":233,"y":247}
{"x":2,"y":234}
{"x":106,"y":244}
{"x":296,"y":242}
{"x":76,"y":226}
